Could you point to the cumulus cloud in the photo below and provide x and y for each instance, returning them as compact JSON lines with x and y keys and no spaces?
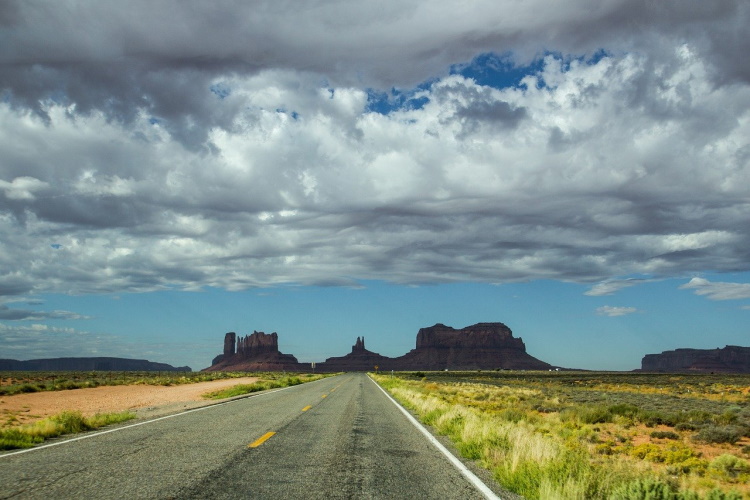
{"x":615,"y":311}
{"x":140,"y":154}
{"x":715,"y":290}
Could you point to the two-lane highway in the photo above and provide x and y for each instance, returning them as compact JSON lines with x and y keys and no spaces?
{"x":339,"y":437}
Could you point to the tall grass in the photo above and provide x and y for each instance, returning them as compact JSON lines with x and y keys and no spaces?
{"x":541,"y":447}
{"x":68,"y":422}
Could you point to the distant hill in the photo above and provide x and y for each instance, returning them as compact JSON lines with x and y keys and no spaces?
{"x":89,"y":364}
{"x":730,"y":359}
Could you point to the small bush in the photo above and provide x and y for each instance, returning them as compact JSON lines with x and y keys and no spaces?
{"x":714,"y":434}
{"x":665,"y":435}
{"x":645,"y":489}
{"x":686,"y":426}
{"x":728,"y":467}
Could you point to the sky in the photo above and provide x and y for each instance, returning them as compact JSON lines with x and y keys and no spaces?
{"x":174,"y":170}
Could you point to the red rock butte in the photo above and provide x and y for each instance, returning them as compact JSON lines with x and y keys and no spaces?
{"x":484,"y":346}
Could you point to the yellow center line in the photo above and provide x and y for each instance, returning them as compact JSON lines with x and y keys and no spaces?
{"x":324,"y":395}
{"x":306,"y":408}
{"x":261,"y":440}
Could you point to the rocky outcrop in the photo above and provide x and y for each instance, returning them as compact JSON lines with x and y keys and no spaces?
{"x":256,"y":352}
{"x":89,"y":364}
{"x":730,"y":359}
{"x":484,"y":346}
{"x":360,"y":359}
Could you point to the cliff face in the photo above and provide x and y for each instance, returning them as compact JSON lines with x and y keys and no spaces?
{"x":730,"y":359}
{"x":484,"y":346}
{"x":256,"y":352}
{"x":89,"y":364}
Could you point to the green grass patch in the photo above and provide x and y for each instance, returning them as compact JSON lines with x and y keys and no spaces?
{"x":68,"y":422}
{"x":264,"y":385}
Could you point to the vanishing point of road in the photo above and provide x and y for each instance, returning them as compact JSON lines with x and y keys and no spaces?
{"x":339,"y":437}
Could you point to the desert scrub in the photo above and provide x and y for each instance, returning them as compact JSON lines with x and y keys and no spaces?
{"x":20,"y":382}
{"x":562,"y":436}
{"x":68,"y":422}
{"x":264,"y":385}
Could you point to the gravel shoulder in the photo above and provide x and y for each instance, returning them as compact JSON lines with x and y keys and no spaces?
{"x":144,"y":400}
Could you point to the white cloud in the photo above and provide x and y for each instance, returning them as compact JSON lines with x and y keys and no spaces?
{"x":615,"y":311}
{"x":147,"y":178}
{"x":22,"y":188}
{"x":718,"y":290}
{"x":611,"y":287}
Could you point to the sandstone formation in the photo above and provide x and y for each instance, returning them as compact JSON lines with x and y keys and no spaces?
{"x":484,"y":346}
{"x":360,"y":359}
{"x":89,"y":364}
{"x":730,"y":359}
{"x":256,"y":352}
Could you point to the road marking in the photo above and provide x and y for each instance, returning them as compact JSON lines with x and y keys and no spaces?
{"x":470,"y":476}
{"x":324,"y":395}
{"x":306,"y":408}
{"x":261,"y":440}
{"x":99,"y":433}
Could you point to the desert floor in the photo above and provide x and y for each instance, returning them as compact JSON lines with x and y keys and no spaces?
{"x":144,"y":400}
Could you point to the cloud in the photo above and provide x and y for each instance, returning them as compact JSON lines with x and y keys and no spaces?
{"x":612,"y":286}
{"x":615,"y":311}
{"x":236,"y":147}
{"x":8,"y":313}
{"x":718,"y":290}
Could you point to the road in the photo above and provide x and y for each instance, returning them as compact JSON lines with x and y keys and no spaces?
{"x":340,"y":437}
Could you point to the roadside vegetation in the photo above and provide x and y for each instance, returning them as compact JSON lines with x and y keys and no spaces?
{"x":24,"y":382}
{"x":270,"y":380}
{"x":16,"y":434}
{"x":67,"y":422}
{"x":584,"y":435}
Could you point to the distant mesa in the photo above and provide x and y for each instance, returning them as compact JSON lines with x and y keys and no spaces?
{"x":484,"y":346}
{"x":89,"y":364}
{"x":730,"y":359}
{"x":256,"y":352}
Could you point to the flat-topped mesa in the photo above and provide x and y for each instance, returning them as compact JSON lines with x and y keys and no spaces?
{"x":480,"y":346}
{"x":481,"y":335}
{"x":255,"y":352}
{"x":730,"y":359}
{"x":257,"y":343}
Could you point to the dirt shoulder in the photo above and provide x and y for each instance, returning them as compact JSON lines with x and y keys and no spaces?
{"x":144,"y":400}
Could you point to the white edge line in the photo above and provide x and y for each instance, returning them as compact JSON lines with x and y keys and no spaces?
{"x":99,"y":433}
{"x":470,"y":476}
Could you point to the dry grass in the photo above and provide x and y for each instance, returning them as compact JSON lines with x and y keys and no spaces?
{"x":567,"y":437}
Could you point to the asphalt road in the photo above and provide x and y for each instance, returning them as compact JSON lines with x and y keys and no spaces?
{"x":339,"y":437}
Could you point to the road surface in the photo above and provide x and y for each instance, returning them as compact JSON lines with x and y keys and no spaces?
{"x":339,"y":437}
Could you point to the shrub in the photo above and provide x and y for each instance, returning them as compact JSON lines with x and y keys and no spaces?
{"x":728,"y":467}
{"x":645,"y":489}
{"x":665,"y":435}
{"x":686,"y":426}
{"x":714,"y":434}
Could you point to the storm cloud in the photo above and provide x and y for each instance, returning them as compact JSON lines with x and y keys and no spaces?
{"x":150,"y":146}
